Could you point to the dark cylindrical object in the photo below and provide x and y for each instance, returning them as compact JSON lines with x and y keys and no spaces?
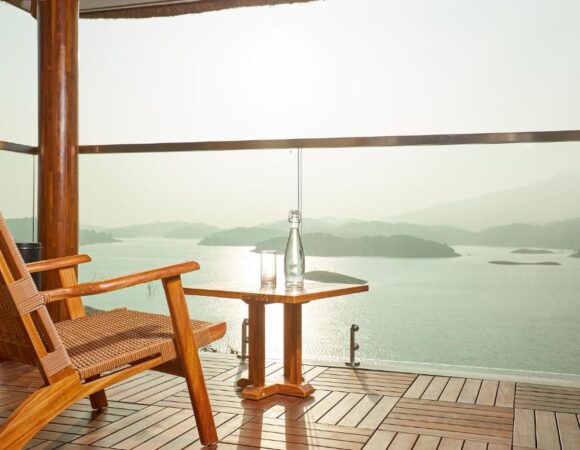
{"x":31,"y":252}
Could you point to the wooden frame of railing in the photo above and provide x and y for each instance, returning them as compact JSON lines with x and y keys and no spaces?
{"x":322,"y":143}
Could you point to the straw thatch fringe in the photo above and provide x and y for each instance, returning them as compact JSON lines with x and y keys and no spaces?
{"x":157,"y":9}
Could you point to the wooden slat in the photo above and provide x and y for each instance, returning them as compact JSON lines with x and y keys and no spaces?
{"x":454,"y":421}
{"x":380,"y":440}
{"x":506,"y":394}
{"x":435,"y":388}
{"x":379,"y":412}
{"x":547,"y":430}
{"x":427,"y":443}
{"x":524,"y":428}
{"x":418,"y":387}
{"x":487,"y":393}
{"x":470,"y":391}
{"x":360,"y":410}
{"x":569,"y":431}
{"x":474,"y":445}
{"x":452,"y":390}
{"x":341,"y":409}
{"x":450,"y":444}
{"x":403,"y":441}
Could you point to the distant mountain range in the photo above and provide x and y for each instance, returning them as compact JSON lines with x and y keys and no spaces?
{"x":551,"y":200}
{"x":558,"y":235}
{"x":22,"y":232}
{"x":323,"y":244}
{"x":165,"y":229}
{"x":561,"y":235}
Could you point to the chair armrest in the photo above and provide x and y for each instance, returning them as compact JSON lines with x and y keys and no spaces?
{"x":114,"y":284}
{"x":58,"y":263}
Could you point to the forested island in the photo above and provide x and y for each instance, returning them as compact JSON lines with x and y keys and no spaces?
{"x":332,"y":277}
{"x":401,"y":246}
{"x":517,"y":263}
{"x":242,"y":236}
{"x":87,"y":237}
{"x":531,"y":251}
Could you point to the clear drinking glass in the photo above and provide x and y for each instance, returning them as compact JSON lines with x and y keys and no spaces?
{"x":268,"y":259}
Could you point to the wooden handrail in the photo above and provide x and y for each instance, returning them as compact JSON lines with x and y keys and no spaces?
{"x":18,"y":148}
{"x":320,"y":143}
{"x":58,"y":263}
{"x":340,"y":142}
{"x":113,"y":284}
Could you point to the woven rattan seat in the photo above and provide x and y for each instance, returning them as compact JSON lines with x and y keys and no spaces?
{"x":105,"y":341}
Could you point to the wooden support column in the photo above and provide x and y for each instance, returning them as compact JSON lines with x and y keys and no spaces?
{"x":58,"y":133}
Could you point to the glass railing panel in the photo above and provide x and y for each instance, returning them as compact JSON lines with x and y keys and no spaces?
{"x":17,"y":194}
{"x":468,"y":250}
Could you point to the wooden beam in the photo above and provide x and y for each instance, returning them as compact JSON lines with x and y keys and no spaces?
{"x":341,"y":142}
{"x":17,"y":148}
{"x":58,"y":133}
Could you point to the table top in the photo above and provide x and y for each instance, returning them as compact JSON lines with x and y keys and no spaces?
{"x":250,"y":292}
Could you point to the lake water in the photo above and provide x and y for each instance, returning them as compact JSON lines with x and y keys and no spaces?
{"x":459,"y":311}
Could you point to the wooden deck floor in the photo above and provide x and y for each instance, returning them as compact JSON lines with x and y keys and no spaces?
{"x":350,"y":410}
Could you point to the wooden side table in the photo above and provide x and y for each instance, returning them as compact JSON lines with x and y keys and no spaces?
{"x":255,"y":387}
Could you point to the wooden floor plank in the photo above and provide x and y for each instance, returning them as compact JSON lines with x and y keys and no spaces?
{"x":547,"y":430}
{"x":452,"y":390}
{"x":302,"y":407}
{"x":435,"y":388}
{"x":138,"y":437}
{"x":446,"y":433}
{"x":287,"y":429}
{"x":470,"y":391}
{"x":403,"y":441}
{"x":360,"y":410}
{"x":487,"y":393}
{"x":118,"y":425}
{"x":160,"y":439}
{"x":322,"y":407}
{"x":376,"y":415}
{"x":524,"y":428}
{"x":290,"y":440}
{"x":427,"y":443}
{"x":341,"y":409}
{"x":450,"y":444}
{"x":418,"y":387}
{"x":506,"y":394}
{"x":474,"y":445}
{"x":569,"y":431}
{"x":380,"y":440}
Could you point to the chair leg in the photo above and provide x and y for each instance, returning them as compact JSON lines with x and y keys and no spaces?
{"x":37,"y":410}
{"x":99,"y":400}
{"x":189,"y":357}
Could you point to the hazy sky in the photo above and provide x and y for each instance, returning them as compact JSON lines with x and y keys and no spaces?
{"x":334,"y":68}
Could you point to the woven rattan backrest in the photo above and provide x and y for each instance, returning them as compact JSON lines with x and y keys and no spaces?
{"x":27,"y":332}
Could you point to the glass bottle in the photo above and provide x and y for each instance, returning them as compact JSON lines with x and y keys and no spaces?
{"x":294,"y":256}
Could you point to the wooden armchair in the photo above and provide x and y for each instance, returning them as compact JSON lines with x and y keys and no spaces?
{"x":83,"y":355}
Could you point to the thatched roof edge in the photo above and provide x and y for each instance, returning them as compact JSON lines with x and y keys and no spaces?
{"x":198,"y":7}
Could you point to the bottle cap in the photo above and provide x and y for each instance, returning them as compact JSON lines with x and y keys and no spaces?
{"x":294,"y":216}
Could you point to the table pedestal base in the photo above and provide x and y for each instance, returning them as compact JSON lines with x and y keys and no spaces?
{"x":284,"y":388}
